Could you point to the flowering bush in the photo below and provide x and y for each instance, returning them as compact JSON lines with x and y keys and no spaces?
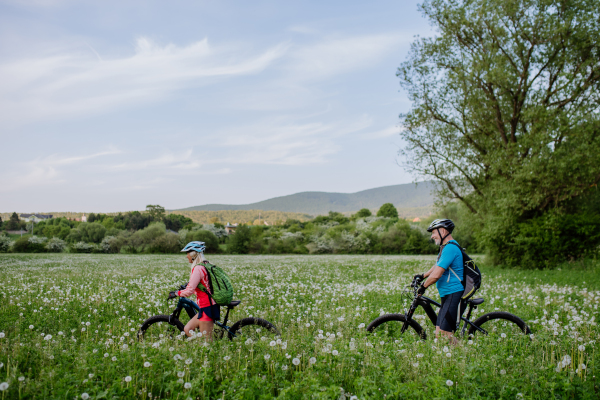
{"x":83,"y":247}
{"x":56,"y":245}
{"x":5,"y":243}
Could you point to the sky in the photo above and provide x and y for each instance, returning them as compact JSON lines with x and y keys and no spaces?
{"x":109,"y":106}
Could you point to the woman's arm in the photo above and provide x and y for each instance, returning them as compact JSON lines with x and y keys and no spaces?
{"x":195,"y":277}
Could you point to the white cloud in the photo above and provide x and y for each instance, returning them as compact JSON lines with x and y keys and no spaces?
{"x":75,"y":84}
{"x":331,"y":56}
{"x":382,"y":133}
{"x":48,"y":170}
{"x":286,"y":141}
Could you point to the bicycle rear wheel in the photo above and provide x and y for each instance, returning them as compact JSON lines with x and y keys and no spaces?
{"x":500,"y":322}
{"x":160,"y":327}
{"x":390,"y":325}
{"x":254,"y":329}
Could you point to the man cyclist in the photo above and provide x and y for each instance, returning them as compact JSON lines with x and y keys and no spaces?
{"x":447,"y":274}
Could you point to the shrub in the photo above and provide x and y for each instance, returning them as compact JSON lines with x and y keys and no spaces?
{"x":111,"y":244}
{"x":32,"y":244}
{"x":56,"y":245}
{"x":363,"y":213}
{"x":83,"y":247}
{"x":387,"y":210}
{"x":547,"y":240}
{"x":166,"y":244}
{"x":239,"y":242}
{"x":5,"y":243}
{"x":210,"y":239}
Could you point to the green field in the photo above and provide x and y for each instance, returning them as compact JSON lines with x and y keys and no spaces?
{"x":68,"y":326}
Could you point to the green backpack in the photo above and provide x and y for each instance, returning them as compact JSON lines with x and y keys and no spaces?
{"x":220,"y":287}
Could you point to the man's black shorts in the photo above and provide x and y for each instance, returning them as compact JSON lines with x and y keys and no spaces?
{"x":449,"y":316}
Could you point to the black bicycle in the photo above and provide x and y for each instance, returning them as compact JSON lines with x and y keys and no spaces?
{"x":497,"y":322}
{"x":161,"y":326}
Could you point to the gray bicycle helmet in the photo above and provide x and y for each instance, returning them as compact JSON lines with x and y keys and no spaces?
{"x":445,"y":223}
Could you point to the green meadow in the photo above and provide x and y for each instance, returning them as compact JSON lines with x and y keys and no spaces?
{"x":69,"y":322}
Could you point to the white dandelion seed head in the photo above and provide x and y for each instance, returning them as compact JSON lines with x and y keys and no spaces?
{"x":127,"y":378}
{"x":189,"y":361}
{"x":3,"y":386}
{"x":267,"y":356}
{"x":503,"y":335}
{"x":449,"y":382}
{"x":296,"y":361}
{"x":273,"y":343}
{"x":581,"y":347}
{"x":502,"y":372}
{"x":85,"y":396}
{"x":21,"y":378}
{"x":114,"y":358}
{"x":147,"y":364}
{"x":187,"y":385}
{"x":362,"y":325}
{"x":448,"y":355}
{"x":313,"y":360}
{"x":30,"y":326}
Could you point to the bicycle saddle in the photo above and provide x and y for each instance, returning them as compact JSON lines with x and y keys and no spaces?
{"x":233,"y":304}
{"x":476,"y":302}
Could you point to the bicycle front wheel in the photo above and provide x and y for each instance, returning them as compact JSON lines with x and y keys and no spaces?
{"x":254,"y":329}
{"x":500,"y":322}
{"x":390,"y":325}
{"x":160,"y":327}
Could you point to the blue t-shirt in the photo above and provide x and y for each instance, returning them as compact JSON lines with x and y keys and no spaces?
{"x":451,"y":258}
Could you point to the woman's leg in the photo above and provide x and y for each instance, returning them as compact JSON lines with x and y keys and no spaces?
{"x":191,"y":325}
{"x":206,"y":327}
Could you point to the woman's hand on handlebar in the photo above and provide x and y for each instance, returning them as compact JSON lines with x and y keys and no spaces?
{"x":172,"y":295}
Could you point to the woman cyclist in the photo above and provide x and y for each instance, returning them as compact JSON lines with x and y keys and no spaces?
{"x":209,"y":310}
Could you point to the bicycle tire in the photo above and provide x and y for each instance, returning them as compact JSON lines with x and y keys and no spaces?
{"x":500,"y":315}
{"x":169,"y":320}
{"x":377,"y":322}
{"x":263,"y":323}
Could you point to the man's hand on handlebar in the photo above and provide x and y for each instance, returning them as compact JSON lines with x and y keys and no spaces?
{"x":419,"y":277}
{"x":172,"y":295}
{"x":421,"y":290}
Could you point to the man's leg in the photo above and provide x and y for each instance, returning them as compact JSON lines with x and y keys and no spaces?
{"x":448,"y":317}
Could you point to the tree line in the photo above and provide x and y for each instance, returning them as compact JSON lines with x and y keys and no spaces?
{"x":153,"y":232}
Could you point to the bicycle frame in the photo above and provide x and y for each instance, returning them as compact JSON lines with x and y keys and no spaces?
{"x":427,"y":303}
{"x":192,"y":309}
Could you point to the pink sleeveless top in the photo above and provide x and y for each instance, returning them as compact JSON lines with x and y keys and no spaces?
{"x":198,"y":276}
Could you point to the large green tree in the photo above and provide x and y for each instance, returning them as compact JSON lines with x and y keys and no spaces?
{"x":13,"y":223}
{"x":505,"y":111}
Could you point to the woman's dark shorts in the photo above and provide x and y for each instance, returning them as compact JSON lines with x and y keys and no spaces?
{"x":449,"y":316}
{"x":213,"y":312}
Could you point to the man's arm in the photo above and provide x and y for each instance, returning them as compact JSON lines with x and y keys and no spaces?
{"x":433,"y":275}
{"x":426,"y":274}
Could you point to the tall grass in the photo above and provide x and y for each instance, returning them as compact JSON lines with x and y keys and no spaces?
{"x":68,"y":326}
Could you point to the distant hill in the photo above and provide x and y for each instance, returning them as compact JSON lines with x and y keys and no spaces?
{"x":406,"y":196}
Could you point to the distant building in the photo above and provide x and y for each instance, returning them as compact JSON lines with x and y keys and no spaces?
{"x":229,"y":228}
{"x":417,"y":219}
{"x":83,"y":218}
{"x":34,"y":217}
